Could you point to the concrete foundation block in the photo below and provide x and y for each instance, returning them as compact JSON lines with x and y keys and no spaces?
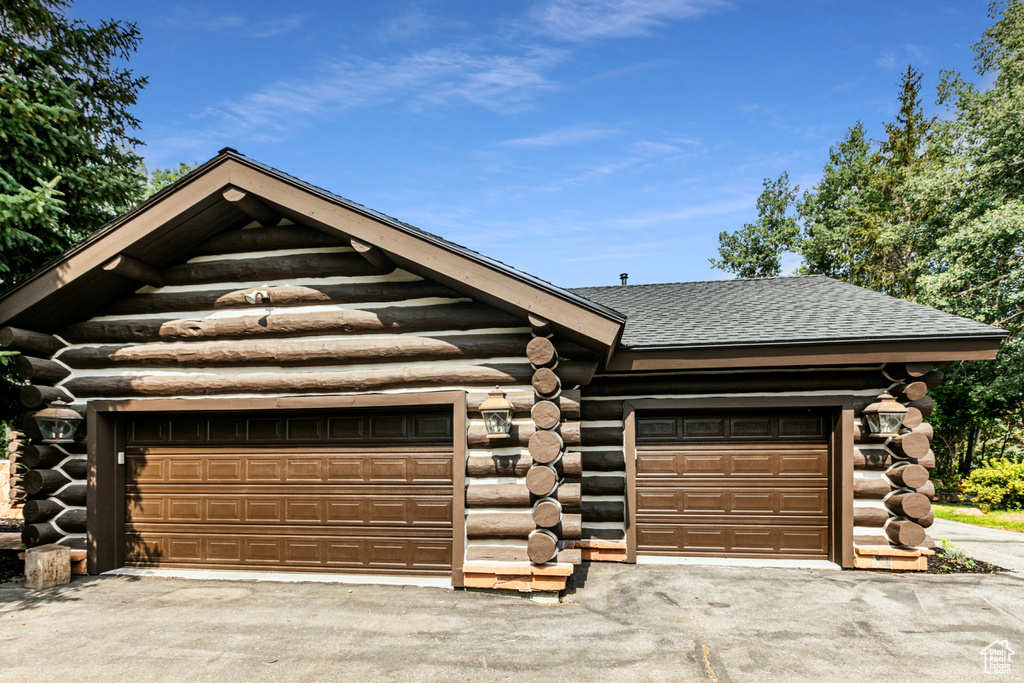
{"x":47,"y":566}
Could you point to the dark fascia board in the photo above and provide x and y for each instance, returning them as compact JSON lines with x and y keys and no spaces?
{"x":937,"y":350}
{"x":421,"y":252}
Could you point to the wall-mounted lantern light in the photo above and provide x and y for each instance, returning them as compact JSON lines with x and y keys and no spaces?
{"x":58,"y":422}
{"x":884,"y":416}
{"x":497,"y":412}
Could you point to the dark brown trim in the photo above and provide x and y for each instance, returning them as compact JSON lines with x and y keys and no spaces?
{"x":840,"y":457}
{"x":629,"y":452}
{"x":805,"y":355}
{"x":105,"y":522}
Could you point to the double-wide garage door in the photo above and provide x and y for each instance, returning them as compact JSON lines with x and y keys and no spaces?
{"x":357,"y":493}
{"x":733,"y":485}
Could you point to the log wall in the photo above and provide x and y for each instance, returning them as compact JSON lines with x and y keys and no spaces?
{"x":285,"y":311}
{"x":877,"y":517}
{"x":892,"y":492}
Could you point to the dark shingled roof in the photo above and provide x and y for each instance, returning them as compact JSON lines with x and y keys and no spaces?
{"x":787,"y":310}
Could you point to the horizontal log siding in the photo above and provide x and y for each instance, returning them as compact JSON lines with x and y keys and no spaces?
{"x":601,"y":411}
{"x":335,"y":327}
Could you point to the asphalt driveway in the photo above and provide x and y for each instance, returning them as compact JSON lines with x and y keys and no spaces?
{"x":624,"y":623}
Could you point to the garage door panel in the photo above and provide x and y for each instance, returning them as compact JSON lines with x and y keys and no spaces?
{"x":798,"y":461}
{"x":247,"y":509}
{"x":265,"y":552}
{"x":369,"y":493}
{"x":728,"y":500}
{"x":733,"y":485}
{"x":702,"y":539}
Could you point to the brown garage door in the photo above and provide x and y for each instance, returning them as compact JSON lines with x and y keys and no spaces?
{"x":733,"y":485}
{"x":367,"y":493}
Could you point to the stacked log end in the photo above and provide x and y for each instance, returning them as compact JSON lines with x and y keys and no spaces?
{"x":48,"y":482}
{"x":892,"y":491}
{"x":550,"y":462}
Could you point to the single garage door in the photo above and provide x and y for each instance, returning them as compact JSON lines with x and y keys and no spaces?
{"x":733,"y":485}
{"x":358,"y":493}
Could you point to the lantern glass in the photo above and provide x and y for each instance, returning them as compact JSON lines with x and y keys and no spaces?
{"x":889,"y":423}
{"x":497,"y":414}
{"x":497,"y":421}
{"x":885,"y":416}
{"x":58,"y":422}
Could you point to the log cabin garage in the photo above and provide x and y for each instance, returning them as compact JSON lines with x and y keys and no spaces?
{"x":275,"y":379}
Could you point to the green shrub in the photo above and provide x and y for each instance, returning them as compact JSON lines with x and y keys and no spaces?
{"x":998,"y":484}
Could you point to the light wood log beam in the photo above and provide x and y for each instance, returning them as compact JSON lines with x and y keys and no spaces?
{"x":516,"y":524}
{"x":910,"y":476}
{"x":294,"y":352}
{"x":523,"y":402}
{"x":26,"y":341}
{"x":872,"y":517}
{"x":913,"y":391}
{"x":911,"y":505}
{"x":134,"y":269}
{"x":516,"y":495}
{"x":547,"y":512}
{"x":399,"y":319}
{"x":287,"y":295}
{"x":903,"y":532}
{"x":872,"y":489}
{"x":252,"y":206}
{"x":299,"y":382}
{"x":377,"y":258}
{"x":569,"y":465}
{"x":524,"y":435}
{"x":541,"y":546}
{"x":541,"y":352}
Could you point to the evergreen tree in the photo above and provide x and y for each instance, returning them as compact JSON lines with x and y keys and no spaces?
{"x":66,"y":145}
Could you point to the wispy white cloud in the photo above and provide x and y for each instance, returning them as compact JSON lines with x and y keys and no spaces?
{"x":719,"y":208}
{"x":277,"y":27}
{"x":578,"y":20}
{"x":562,"y":137}
{"x":193,"y":19}
{"x":900,"y":57}
{"x":848,"y":85}
{"x":431,"y":78}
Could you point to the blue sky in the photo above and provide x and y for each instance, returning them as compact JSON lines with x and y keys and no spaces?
{"x":573,"y":139}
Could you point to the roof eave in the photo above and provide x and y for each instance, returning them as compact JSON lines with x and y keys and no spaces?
{"x":938,"y":350}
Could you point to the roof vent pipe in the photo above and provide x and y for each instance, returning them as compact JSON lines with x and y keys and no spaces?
{"x":623,"y":277}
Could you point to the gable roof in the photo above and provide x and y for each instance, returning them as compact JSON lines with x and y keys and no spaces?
{"x":162,"y":230}
{"x":787,"y":310}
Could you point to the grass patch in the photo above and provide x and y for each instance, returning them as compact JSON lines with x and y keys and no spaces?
{"x":994,"y":519}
